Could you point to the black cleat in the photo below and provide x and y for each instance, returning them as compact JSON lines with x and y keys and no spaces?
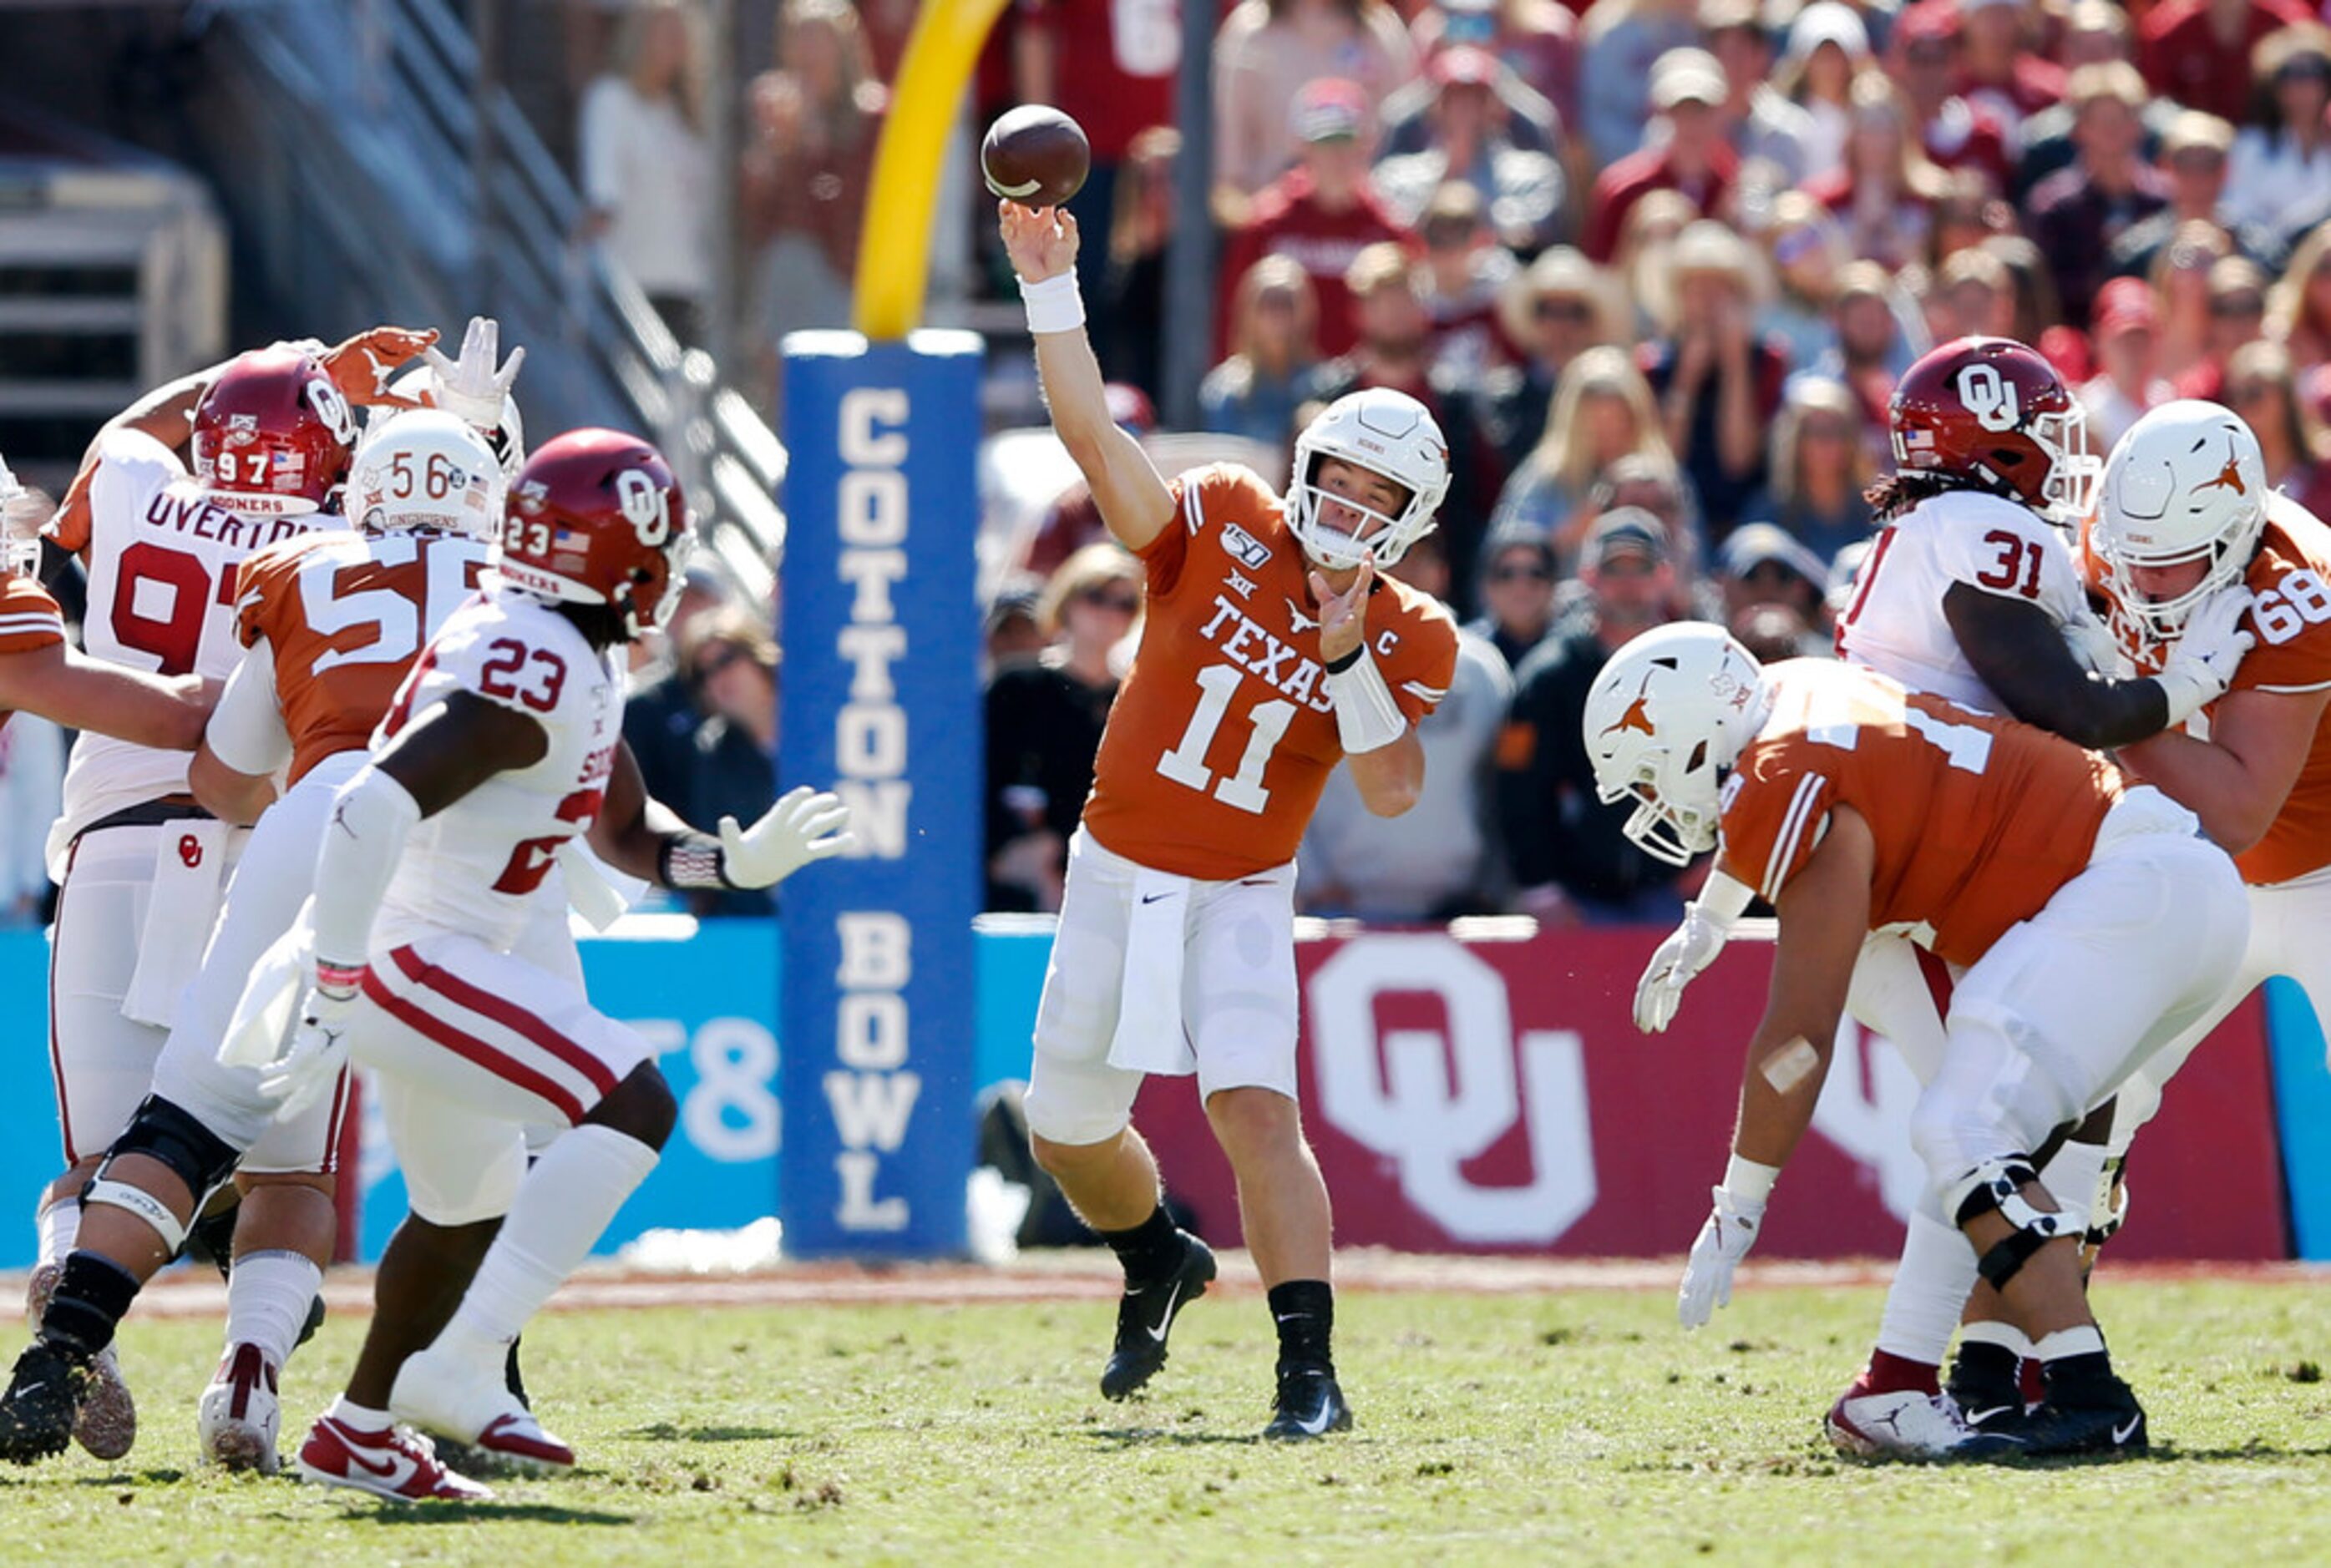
{"x":2092,"y":1416}
{"x":1144,"y":1317}
{"x":1310,"y":1405}
{"x":42,"y":1401}
{"x":1985,"y":1383}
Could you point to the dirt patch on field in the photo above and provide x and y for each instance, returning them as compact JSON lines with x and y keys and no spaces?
{"x":1077,"y":1275}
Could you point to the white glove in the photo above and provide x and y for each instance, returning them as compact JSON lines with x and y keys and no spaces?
{"x":1724,"y":1241}
{"x":2203,"y":661}
{"x":806,"y":825}
{"x":1689,"y":948}
{"x":473,"y":388}
{"x":312,"y":1061}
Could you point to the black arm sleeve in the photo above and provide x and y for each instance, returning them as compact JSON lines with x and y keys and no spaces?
{"x":2022,"y":656}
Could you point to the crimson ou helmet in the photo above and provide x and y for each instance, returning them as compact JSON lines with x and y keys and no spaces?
{"x":272,"y":435}
{"x":1989,"y":413}
{"x":595,"y":518}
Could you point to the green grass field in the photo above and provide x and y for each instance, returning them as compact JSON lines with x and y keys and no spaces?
{"x":1580,"y":1427}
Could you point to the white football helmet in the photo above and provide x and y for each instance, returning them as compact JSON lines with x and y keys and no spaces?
{"x":2187,"y":481}
{"x":1665,"y":720}
{"x":1386,"y":432}
{"x":423,"y":468}
{"x":507,"y":439}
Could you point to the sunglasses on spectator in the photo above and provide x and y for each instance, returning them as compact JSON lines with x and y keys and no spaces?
{"x":2249,"y":391}
{"x":2238,"y":305}
{"x":1124,"y":600}
{"x":1555,"y":307}
{"x":1522,"y":571}
{"x":1447,"y":232}
{"x":715,"y":659}
{"x":1928,"y":54}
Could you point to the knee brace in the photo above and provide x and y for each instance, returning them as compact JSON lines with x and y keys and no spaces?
{"x":196,"y":1155}
{"x":1996,"y":1187}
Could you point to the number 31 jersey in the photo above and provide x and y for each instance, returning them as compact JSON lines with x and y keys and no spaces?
{"x":161,"y":560}
{"x":1977,"y":819}
{"x":1223,"y":734}
{"x":468,"y":869}
{"x":1894,"y":621}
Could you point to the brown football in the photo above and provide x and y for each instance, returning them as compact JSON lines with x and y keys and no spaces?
{"x":1035,"y":156}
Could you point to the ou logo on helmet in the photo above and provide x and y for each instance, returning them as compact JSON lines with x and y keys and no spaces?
{"x":1990,"y":397}
{"x":644,"y":505}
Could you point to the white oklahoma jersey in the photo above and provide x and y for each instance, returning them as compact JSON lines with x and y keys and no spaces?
{"x":1894,"y":621}
{"x":139,"y":872}
{"x":471,"y":868}
{"x":161,"y":559}
{"x":476,"y":1035}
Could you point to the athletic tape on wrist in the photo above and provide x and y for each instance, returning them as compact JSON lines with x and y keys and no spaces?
{"x":1366,"y":718}
{"x":1054,"y":304}
{"x":1749,"y":1182}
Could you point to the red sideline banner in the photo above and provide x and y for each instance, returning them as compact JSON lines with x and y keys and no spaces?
{"x":1482,"y":1095}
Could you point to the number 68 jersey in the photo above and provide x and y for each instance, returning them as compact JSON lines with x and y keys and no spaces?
{"x":2290,"y":618}
{"x":1223,"y":734}
{"x":468,"y":869}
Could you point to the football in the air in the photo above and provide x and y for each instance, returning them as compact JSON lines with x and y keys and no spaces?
{"x":1035,"y":156}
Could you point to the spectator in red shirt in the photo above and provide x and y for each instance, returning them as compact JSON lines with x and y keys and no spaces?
{"x":1321,"y":214}
{"x":2078,"y":212}
{"x":2198,"y":51}
{"x":2128,"y":381}
{"x":1955,"y":133}
{"x":1110,"y":69}
{"x":1464,"y":274}
{"x":1693,"y":156}
{"x":2180,"y":276}
{"x":2003,"y":71}
{"x":2237,"y":288}
{"x":2298,"y":308}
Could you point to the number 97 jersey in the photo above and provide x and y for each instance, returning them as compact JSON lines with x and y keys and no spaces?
{"x":469,"y":869}
{"x":1894,"y":621}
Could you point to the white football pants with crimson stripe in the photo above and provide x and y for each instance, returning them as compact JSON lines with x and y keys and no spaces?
{"x":472,"y":1045}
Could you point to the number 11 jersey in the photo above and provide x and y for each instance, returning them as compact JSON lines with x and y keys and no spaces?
{"x":1223,"y":732}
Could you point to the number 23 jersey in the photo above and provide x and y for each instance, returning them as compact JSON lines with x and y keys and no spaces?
{"x":1223,"y":734}
{"x":1977,"y":820}
{"x":469,"y":868}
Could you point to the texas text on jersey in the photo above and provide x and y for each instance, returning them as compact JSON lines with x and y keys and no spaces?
{"x":162,"y":559}
{"x":1977,"y":819}
{"x":2290,"y":575}
{"x":1223,"y":735}
{"x":344,"y":615}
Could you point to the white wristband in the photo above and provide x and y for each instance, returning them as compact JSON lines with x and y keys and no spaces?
{"x":1749,"y":1181}
{"x":1054,"y":304}
{"x":1723,"y":900}
{"x":1366,"y":718}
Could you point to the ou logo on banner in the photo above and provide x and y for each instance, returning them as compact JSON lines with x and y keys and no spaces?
{"x":1865,"y":1110}
{"x":1990,"y":397}
{"x":1442,"y":1099}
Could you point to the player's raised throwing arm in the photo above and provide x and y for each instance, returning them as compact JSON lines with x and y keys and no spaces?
{"x":1133,"y":499}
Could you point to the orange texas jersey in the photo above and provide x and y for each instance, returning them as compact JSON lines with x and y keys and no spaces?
{"x":1977,"y":819}
{"x":1223,"y":733}
{"x":29,"y":619}
{"x":344,"y":615}
{"x":2291,"y":619}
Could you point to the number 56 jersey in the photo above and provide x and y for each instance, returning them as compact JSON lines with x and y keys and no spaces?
{"x":469,"y":869}
{"x":1223,"y":734}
